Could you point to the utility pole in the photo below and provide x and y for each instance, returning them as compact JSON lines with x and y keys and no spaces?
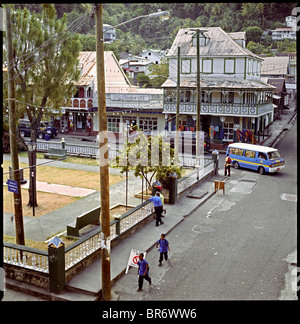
{"x":198,"y":96}
{"x":20,"y":239}
{"x":176,"y":146}
{"x":103,"y":149}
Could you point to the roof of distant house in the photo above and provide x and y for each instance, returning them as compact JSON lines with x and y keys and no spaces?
{"x":275,"y":65}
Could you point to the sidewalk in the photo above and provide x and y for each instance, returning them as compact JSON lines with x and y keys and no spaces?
{"x":87,"y":284}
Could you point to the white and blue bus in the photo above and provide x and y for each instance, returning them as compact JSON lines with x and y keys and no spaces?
{"x":256,"y":157}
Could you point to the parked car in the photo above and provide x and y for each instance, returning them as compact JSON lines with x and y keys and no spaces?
{"x":44,"y":128}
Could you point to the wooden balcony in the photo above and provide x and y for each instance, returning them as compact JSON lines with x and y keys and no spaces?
{"x":217,"y":109}
{"x":81,"y":103}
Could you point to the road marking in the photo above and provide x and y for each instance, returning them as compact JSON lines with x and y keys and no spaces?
{"x":289,"y":197}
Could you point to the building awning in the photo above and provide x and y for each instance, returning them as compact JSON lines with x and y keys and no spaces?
{"x":219,"y":83}
{"x":276,"y":97}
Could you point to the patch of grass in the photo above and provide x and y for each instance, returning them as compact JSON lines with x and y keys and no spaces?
{"x":47,"y":202}
{"x":69,"y":177}
{"x":39,"y":245}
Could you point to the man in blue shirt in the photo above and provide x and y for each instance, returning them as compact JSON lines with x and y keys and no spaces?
{"x":164,"y":247}
{"x":158,"y":208}
{"x":143,"y":271}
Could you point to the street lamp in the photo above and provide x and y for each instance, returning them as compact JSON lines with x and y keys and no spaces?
{"x":163,"y":15}
{"x":32,"y":192}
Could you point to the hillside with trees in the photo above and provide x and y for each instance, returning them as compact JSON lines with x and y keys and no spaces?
{"x":133,"y":37}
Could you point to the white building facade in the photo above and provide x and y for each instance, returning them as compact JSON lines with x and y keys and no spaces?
{"x":232,"y":95}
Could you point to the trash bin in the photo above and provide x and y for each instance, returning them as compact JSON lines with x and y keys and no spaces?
{"x":154,"y":187}
{"x":56,"y":257}
{"x":173,"y":180}
{"x":215,"y":158}
{"x":21,"y":173}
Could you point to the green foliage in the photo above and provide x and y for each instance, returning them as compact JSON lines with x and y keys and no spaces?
{"x":148,"y":156}
{"x":154,"y":33}
{"x":45,"y":71}
{"x":253,"y":33}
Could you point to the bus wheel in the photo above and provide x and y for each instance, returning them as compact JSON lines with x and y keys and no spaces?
{"x":236,"y":165}
{"x":261,"y":170}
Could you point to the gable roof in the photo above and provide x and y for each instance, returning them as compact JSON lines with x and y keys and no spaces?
{"x":114,"y":74}
{"x":219,"y":44}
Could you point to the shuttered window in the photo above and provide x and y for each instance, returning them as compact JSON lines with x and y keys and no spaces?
{"x":207,"y":65}
{"x":229,"y":66}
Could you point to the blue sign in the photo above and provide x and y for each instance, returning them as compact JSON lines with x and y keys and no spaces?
{"x":12,"y":186}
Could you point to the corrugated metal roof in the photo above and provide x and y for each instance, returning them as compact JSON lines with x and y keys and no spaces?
{"x":219,"y":44}
{"x":275,"y":65}
{"x":114,"y":74}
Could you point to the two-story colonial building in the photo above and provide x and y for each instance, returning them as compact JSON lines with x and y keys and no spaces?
{"x":125,"y":104}
{"x":232,"y":94}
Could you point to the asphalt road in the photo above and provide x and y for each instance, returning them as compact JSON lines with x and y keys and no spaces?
{"x":234,"y":247}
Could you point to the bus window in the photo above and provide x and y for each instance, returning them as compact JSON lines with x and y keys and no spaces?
{"x":236,"y":151}
{"x":262,"y":156}
{"x":250,"y":154}
{"x":274,"y":155}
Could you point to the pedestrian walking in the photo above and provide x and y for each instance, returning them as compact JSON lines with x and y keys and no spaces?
{"x":164,"y":247}
{"x":227,"y":165}
{"x":158,"y":208}
{"x":159,"y":189}
{"x":143,"y":271}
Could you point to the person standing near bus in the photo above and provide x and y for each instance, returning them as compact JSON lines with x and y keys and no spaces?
{"x":227,"y":165}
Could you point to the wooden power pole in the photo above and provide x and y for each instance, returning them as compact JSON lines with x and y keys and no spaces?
{"x":198,"y":96}
{"x":20,"y":238}
{"x":103,"y":155}
{"x":176,"y":146}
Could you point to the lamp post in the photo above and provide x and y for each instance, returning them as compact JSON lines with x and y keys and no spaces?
{"x":32,"y":190}
{"x":103,"y":142}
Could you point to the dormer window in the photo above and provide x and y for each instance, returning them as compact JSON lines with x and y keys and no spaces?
{"x":202,"y":39}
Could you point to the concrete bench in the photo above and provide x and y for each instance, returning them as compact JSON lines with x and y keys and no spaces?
{"x":89,"y":218}
{"x":55,"y":153}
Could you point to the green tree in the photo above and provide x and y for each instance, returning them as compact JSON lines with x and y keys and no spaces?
{"x":146,"y":156}
{"x":159,"y":73}
{"x":45,"y":66}
{"x":142,"y":80}
{"x":253,"y":33}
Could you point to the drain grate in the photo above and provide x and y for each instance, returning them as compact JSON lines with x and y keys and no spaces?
{"x":288,"y":197}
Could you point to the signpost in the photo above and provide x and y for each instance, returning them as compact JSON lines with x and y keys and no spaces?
{"x":12,"y":186}
{"x":133,"y":259}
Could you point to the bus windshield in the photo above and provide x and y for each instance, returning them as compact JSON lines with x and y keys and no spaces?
{"x":274,"y":155}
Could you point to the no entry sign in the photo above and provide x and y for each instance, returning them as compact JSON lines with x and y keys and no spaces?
{"x":134,"y":258}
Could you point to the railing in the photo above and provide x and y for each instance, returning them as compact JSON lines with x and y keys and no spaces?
{"x":26,"y":257}
{"x":194,"y":176}
{"x":86,"y":246}
{"x":72,"y":149}
{"x":213,"y":108}
{"x":92,"y":151}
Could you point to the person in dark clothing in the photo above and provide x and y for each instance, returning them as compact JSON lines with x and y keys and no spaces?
{"x":164,"y":247}
{"x":143,"y":271}
{"x":158,"y":208}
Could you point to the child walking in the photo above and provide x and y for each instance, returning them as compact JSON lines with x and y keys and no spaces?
{"x":143,"y":271}
{"x":164,"y":247}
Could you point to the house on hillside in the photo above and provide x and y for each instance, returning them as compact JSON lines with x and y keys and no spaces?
{"x":232,"y":95}
{"x":125,"y":104}
{"x":153,"y":56}
{"x":283,"y":68}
